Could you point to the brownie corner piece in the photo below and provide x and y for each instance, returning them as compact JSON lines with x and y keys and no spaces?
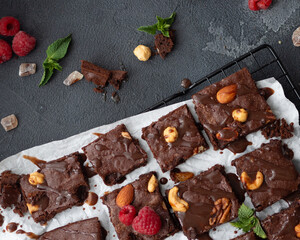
{"x":174,"y":138}
{"x":203,"y":202}
{"x":274,"y":170}
{"x":57,"y":185}
{"x":141,"y":198}
{"x":115,"y":154}
{"x":232,"y":108}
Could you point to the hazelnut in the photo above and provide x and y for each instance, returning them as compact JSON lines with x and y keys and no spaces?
{"x":126,"y":135}
{"x":32,"y":208}
{"x":227,"y":94}
{"x":36,"y":178}
{"x":240,"y":115}
{"x":297,"y":230}
{"x":142,"y":52}
{"x":170,"y":134}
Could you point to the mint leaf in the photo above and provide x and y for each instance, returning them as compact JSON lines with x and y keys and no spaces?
{"x":46,"y":76}
{"x":59,"y":48}
{"x":149,"y":29}
{"x":259,"y":231}
{"x":170,"y":19}
{"x":165,"y":33}
{"x":245,"y":212}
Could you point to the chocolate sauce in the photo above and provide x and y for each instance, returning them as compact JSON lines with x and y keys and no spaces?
{"x":31,"y":235}
{"x":266,"y":92}
{"x":239,"y":145}
{"x":163,"y":181}
{"x":98,"y":134}
{"x":237,"y":186}
{"x":92,"y":199}
{"x":34,"y":160}
{"x":11,"y":227}
{"x":185,"y":83}
{"x":1,"y":220}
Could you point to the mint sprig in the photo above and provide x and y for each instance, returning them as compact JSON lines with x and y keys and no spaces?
{"x":248,"y":221}
{"x":55,"y":52}
{"x":163,"y":25}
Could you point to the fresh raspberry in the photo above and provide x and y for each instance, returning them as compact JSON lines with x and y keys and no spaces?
{"x":147,"y":222}
{"x":127,"y":214}
{"x":23,"y":43}
{"x":5,"y":51}
{"x":9,"y":26}
{"x":256,"y":5}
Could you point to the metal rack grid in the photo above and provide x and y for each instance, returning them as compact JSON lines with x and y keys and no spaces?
{"x":262,"y":62}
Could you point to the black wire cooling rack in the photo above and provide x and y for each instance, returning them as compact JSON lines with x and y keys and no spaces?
{"x":262,"y":62}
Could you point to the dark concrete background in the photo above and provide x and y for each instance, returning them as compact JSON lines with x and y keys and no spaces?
{"x":209,"y":34}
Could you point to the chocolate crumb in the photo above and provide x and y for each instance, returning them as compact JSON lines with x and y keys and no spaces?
{"x":164,"y":45}
{"x":279,"y":128}
{"x":186,"y":83}
{"x":115,"y":97}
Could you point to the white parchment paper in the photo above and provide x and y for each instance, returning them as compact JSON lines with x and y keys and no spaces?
{"x":280,"y":105}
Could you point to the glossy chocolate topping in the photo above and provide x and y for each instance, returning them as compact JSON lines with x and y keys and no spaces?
{"x":201,"y":193}
{"x":189,"y":142}
{"x":215,"y":117}
{"x":279,"y":173}
{"x":114,"y":155}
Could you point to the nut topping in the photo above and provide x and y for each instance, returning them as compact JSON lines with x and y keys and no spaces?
{"x":125,"y":196}
{"x":36,"y":178}
{"x":152,"y":184}
{"x":198,"y":150}
{"x":252,"y":185}
{"x":170,"y":134}
{"x":126,"y":135}
{"x":32,"y":208}
{"x":178,"y":204}
{"x":297,"y":230}
{"x":220,"y":212}
{"x":142,"y":52}
{"x":227,"y":134}
{"x":183,"y":176}
{"x":227,"y":94}
{"x":240,"y":115}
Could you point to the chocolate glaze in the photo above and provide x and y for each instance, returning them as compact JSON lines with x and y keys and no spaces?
{"x":169,"y":155}
{"x":113,"y":156}
{"x":31,"y":235}
{"x":92,"y":199}
{"x":163,"y":181}
{"x":34,"y":160}
{"x":200,"y":193}
{"x":64,"y":186}
{"x":237,"y":186}
{"x":215,"y":116}
{"x":266,"y":92}
{"x":280,"y":176}
{"x":239,"y":145}
{"x":12,"y":226}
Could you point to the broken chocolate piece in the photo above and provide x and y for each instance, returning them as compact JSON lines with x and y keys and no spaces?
{"x":115,"y":97}
{"x":10,"y":122}
{"x":117,"y":76}
{"x":27,"y":69}
{"x":164,"y":45}
{"x":95,"y":74}
{"x":185,"y":83}
{"x":73,"y":78}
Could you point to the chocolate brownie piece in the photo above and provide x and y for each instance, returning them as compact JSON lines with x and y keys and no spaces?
{"x":117,"y":76}
{"x":282,"y":225}
{"x":94,"y":73}
{"x":11,"y":194}
{"x":89,"y":229}
{"x":231,"y":109}
{"x":203,"y":202}
{"x":58,"y":185}
{"x":275,"y":173}
{"x":174,"y":138}
{"x":279,"y":128}
{"x":247,"y":236}
{"x":164,"y":45}
{"x":115,"y":154}
{"x":141,"y":198}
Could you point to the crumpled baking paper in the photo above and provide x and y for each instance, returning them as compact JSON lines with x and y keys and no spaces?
{"x":280,"y":105}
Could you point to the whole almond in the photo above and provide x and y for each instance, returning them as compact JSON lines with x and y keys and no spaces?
{"x":227,"y":94}
{"x":183,"y":176}
{"x":125,"y":196}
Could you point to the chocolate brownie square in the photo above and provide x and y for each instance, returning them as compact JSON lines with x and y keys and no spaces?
{"x":115,"y":154}
{"x":140,"y":198}
{"x":11,"y":194}
{"x":284,"y":225}
{"x":174,"y":138}
{"x":247,"y":236}
{"x":89,"y":229}
{"x":267,"y":173}
{"x":231,"y":109}
{"x":203,"y":202}
{"x":57,"y":185}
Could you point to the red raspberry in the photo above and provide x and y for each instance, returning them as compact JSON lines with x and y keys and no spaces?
{"x":127,"y":214}
{"x":5,"y":51}
{"x":256,"y":5}
{"x":9,"y":26}
{"x":147,"y":222}
{"x":23,"y":43}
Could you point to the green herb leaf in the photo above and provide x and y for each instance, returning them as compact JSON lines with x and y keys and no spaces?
{"x":46,"y":76}
{"x":245,"y":212}
{"x":170,"y":19}
{"x":149,"y":29}
{"x":59,"y":48}
{"x":259,"y":231}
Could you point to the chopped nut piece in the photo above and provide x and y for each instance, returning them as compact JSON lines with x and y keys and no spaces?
{"x":32,"y":208}
{"x":227,"y":94}
{"x":198,"y":150}
{"x":178,"y":204}
{"x":152,"y":184}
{"x":126,"y":135}
{"x":240,"y":115}
{"x":36,"y":178}
{"x":10,"y":122}
{"x":170,"y":134}
{"x":125,"y":196}
{"x":73,"y":78}
{"x":220,"y":212}
{"x":183,"y":176}
{"x":27,"y":69}
{"x":142,"y":52}
{"x":252,"y":185}
{"x":296,"y":37}
{"x":297,"y":230}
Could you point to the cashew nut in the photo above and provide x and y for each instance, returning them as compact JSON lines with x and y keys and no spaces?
{"x":126,"y":135}
{"x":36,"y":178}
{"x":178,"y":204}
{"x":252,"y":185}
{"x":32,"y":208}
{"x":152,"y":184}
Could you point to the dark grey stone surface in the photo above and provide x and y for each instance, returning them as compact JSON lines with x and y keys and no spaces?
{"x":209,"y":34}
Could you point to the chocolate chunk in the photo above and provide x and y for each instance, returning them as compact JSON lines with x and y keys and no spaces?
{"x":95,"y":74}
{"x":186,"y":83}
{"x":279,"y":128}
{"x":164,"y":45}
{"x":117,"y":76}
